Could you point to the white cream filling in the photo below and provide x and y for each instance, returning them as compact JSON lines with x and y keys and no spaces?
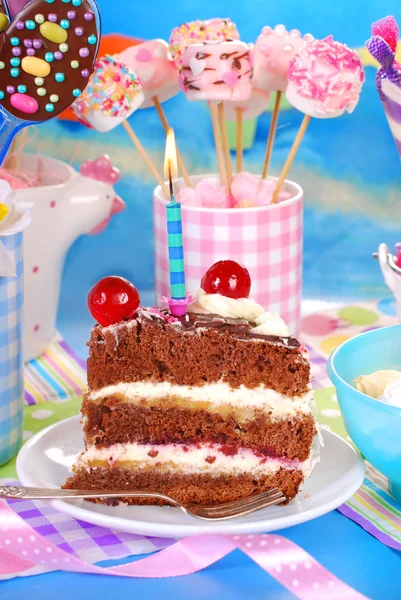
{"x":174,"y":457}
{"x":217,"y":394}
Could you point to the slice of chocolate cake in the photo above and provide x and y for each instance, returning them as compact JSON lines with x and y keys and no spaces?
{"x":207,"y":408}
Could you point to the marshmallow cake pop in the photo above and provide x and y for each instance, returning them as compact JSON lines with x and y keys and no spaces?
{"x":217,"y":71}
{"x":152,"y":63}
{"x":114,"y":92}
{"x":325,"y":79}
{"x":274,"y":50}
{"x":197,"y":32}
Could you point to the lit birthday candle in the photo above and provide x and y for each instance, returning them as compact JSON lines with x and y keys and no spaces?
{"x":178,"y":299}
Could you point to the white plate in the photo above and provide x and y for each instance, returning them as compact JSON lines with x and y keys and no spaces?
{"x":45,"y":459}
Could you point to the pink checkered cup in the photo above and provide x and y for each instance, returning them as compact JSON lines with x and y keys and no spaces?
{"x":268,"y":240}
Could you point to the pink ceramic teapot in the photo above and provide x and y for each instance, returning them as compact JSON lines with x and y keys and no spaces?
{"x":81,"y":203}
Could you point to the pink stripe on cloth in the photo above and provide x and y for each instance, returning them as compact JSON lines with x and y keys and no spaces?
{"x":286,"y":562}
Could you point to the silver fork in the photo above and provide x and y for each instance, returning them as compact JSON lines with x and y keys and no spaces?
{"x":217,"y":512}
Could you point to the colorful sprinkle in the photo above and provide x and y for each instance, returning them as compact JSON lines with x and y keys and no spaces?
{"x":92,"y":39}
{"x":39,"y":81}
{"x":83,"y":52}
{"x":15,"y":62}
{"x":54,"y":98}
{"x":14,"y":72}
{"x":28,"y":43}
{"x":49,"y":1}
{"x":31,"y":52}
{"x":66,"y":1}
{"x":39,"y":19}
{"x":10,"y":89}
{"x":71,"y":15}
{"x":58,"y":55}
{"x":16,"y":51}
{"x":37,"y":44}
{"x":63,"y":47}
{"x":49,"y":57}
{"x":52,"y":17}
{"x":88,"y":16}
{"x":1,"y":95}
{"x":76,"y":2}
{"x":41,"y":91}
{"x":65,"y":24}
{"x":79,"y":31}
{"x":74,"y":64}
{"x":14,"y":41}
{"x":49,"y":107}
{"x":59,"y":77}
{"x":76,"y":92}
{"x":2,"y":65}
{"x":20,"y":25}
{"x":21,"y":89}
{"x":30,"y":24}
{"x":35,"y":66}
{"x":85,"y":73}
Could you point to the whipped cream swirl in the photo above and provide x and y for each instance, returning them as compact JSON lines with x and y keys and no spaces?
{"x":239,"y":308}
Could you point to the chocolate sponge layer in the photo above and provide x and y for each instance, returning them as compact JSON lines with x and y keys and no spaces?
{"x":154,"y":350}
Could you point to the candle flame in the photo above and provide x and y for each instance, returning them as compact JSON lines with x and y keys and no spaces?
{"x":170,"y":156}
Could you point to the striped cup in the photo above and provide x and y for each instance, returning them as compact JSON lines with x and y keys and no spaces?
{"x":267,"y":240}
{"x":11,"y":354}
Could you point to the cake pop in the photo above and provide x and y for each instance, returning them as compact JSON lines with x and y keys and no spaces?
{"x":197,"y":32}
{"x":114,"y":92}
{"x":217,"y":71}
{"x":45,"y":62}
{"x":325,"y":79}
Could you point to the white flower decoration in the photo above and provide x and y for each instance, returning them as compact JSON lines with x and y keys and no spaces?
{"x":14,"y":218}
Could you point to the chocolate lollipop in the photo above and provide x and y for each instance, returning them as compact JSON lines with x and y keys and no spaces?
{"x":46,"y":57}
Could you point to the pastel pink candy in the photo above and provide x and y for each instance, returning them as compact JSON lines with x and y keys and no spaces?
{"x":24,"y":103}
{"x":250,"y":109}
{"x":274,"y":50}
{"x":217,"y":70}
{"x":152,"y":63}
{"x":250,"y":190}
{"x":325,"y":79}
{"x":207,"y":194}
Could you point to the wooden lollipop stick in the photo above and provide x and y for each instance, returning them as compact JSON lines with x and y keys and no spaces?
{"x":226,"y":144}
{"x":146,"y":157}
{"x":271,"y":136}
{"x":22,"y":140}
{"x":240,"y":144}
{"x":165,"y":123}
{"x":291,"y":156}
{"x":218,"y":142}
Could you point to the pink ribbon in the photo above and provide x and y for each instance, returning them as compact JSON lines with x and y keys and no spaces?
{"x":21,"y":548}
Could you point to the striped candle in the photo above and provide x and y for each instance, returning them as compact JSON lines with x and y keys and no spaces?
{"x":175,"y":250}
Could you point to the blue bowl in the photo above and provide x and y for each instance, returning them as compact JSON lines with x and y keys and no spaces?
{"x":373,"y":426}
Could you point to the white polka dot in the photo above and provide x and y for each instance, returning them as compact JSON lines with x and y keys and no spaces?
{"x":32,"y":538}
{"x":263,"y":542}
{"x":20,"y":540}
{"x":7,"y":542}
{"x":236,"y":537}
{"x":248,"y":545}
{"x":331,"y":412}
{"x":48,"y":549}
{"x":24,"y":553}
{"x":42,"y":414}
{"x":277,"y":541}
{"x":42,"y":562}
{"x":54,"y":560}
{"x":307,"y":564}
{"x":293,"y":567}
{"x":331,"y":583}
{"x":67,"y":559}
{"x":334,"y":398}
{"x":295,"y":582}
{"x":250,"y":537}
{"x":316,"y":586}
{"x":279,"y":569}
{"x":27,"y":434}
{"x":36,"y":551}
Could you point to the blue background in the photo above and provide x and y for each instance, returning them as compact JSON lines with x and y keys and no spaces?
{"x":349,"y":166}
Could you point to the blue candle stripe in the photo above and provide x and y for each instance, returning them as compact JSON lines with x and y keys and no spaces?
{"x":174,"y":227}
{"x":177,"y":277}
{"x":175,"y":252}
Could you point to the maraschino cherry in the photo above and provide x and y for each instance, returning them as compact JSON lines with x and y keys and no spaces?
{"x":228,"y":278}
{"x":398,"y":259}
{"x":113,"y":299}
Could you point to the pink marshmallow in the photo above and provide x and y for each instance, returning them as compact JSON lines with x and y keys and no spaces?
{"x":250,"y":109}
{"x":153,"y":64}
{"x":274,"y":50}
{"x":217,"y":71}
{"x":325,"y":79}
